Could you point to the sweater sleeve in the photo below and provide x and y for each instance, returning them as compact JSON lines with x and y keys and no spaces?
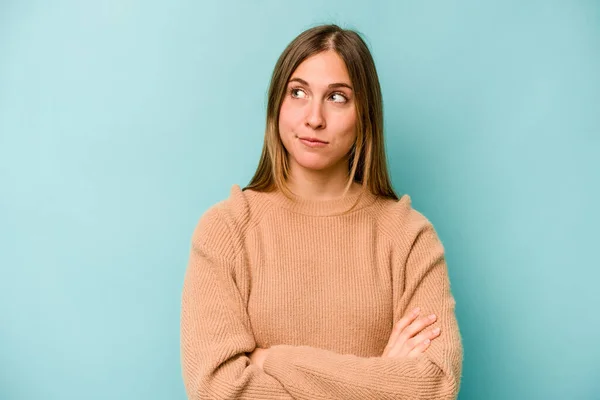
{"x":215,"y":328}
{"x":421,"y":280}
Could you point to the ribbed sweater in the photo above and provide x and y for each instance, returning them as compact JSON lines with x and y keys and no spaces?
{"x":320,"y":284}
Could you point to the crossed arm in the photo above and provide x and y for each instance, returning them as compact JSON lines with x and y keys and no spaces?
{"x":408,"y":338}
{"x":220,"y":359}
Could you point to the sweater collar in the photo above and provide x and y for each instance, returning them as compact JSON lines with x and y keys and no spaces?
{"x":342,"y":205}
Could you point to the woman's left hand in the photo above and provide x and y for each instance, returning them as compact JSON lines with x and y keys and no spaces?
{"x":258,"y":356}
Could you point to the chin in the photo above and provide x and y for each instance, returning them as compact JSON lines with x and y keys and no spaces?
{"x":313,"y":167}
{"x":314,"y":163}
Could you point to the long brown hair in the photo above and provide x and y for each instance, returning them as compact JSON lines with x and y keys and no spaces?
{"x":367,"y":162}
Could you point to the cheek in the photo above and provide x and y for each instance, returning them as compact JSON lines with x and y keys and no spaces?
{"x":288,"y":117}
{"x":347,"y":127}
{"x":351,"y":119}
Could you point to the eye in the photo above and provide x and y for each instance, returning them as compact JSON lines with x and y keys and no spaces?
{"x":341,"y":98}
{"x":297,"y":93}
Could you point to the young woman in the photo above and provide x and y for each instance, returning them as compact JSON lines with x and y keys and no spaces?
{"x":316,"y":281}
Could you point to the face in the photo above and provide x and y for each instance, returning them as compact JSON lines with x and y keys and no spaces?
{"x":317,"y":118}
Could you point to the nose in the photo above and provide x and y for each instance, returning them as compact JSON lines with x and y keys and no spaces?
{"x":315,"y":118}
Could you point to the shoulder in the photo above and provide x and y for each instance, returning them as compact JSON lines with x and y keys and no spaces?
{"x":223,"y":225}
{"x":400,"y":221}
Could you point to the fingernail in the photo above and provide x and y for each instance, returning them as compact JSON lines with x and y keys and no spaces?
{"x":416,"y":310}
{"x":427,"y":341}
{"x":436,"y":331}
{"x":432,"y":317}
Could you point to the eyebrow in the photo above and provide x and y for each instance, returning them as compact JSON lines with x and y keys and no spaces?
{"x":331,"y":85}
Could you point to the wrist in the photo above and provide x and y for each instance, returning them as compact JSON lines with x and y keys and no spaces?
{"x":258,"y":357}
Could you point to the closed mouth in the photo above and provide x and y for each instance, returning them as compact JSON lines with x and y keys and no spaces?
{"x":313,"y":140}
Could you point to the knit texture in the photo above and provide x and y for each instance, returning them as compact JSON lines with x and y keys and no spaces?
{"x":320,"y":284}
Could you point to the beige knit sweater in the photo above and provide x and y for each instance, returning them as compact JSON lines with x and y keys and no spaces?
{"x":319,"y":283}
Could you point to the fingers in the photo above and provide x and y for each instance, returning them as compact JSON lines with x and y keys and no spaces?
{"x":423,"y":337}
{"x":419,"y":349}
{"x":399,"y":328}
{"x":409,"y":335}
{"x":419,"y":325}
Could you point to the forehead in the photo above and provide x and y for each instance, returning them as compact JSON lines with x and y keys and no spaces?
{"x":322,"y":69}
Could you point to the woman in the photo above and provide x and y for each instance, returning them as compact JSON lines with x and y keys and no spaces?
{"x":315,"y":281}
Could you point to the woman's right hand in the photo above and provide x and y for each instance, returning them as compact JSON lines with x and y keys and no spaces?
{"x":408,"y":338}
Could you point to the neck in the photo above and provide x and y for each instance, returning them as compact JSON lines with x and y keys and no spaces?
{"x":320,"y":185}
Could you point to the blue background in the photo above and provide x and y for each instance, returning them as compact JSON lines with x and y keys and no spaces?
{"x":122,"y":121}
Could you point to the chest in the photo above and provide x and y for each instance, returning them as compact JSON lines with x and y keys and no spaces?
{"x":321,"y":286}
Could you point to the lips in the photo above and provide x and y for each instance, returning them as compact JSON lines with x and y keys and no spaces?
{"x":312,"y":140}
{"x":313,"y":143}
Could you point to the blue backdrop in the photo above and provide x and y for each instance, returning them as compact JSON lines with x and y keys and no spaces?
{"x":122,"y":121}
